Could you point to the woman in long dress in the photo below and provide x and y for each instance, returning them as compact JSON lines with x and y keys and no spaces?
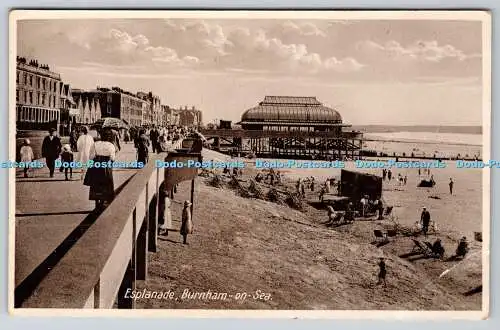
{"x":166,"y":215}
{"x":100,"y":179}
{"x":84,"y":145}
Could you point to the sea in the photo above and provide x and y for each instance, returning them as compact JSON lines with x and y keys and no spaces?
{"x":419,"y":143}
{"x":430,"y":137}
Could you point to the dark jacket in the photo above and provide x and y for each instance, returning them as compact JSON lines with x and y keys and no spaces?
{"x":51,"y":148}
{"x":425,"y":217}
{"x":142,"y":144}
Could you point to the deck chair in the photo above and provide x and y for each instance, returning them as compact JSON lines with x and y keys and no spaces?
{"x":421,"y":248}
{"x":380,"y":237}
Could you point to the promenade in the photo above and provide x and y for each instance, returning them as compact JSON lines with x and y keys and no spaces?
{"x":51,"y":215}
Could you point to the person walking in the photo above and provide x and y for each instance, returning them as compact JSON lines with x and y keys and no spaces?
{"x":142,"y":145}
{"x":73,"y":140}
{"x":51,"y":148}
{"x":187,"y":222}
{"x":389,"y":175}
{"x":382,"y":272}
{"x":425,"y":219}
{"x":67,"y":157}
{"x":451,"y":186}
{"x":27,"y":156}
{"x":153,"y":136}
{"x":84,"y":144}
{"x":100,"y":179}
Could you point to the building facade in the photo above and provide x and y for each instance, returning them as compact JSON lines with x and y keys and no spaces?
{"x":154,"y":114}
{"x":68,"y":109}
{"x":189,"y":117}
{"x":37,"y":96}
{"x":118,"y":103}
{"x":88,"y":104}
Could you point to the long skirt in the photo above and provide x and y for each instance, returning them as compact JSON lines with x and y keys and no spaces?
{"x":100,"y":181}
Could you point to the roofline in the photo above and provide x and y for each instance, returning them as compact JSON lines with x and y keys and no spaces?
{"x":289,"y":123}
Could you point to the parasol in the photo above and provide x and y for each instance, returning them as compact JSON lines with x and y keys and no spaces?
{"x":110,"y":122}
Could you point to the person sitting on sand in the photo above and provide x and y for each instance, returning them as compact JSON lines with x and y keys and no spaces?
{"x":437,"y":248}
{"x":349,"y":212}
{"x":462,"y":248}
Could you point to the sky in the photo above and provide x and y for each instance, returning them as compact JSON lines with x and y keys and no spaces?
{"x":392,"y":72}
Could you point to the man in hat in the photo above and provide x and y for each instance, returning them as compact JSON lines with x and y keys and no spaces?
{"x":425,"y":218}
{"x":187,"y":222}
{"x":51,"y":148}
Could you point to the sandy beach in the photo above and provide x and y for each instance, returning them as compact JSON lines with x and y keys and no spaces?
{"x":246,"y":244}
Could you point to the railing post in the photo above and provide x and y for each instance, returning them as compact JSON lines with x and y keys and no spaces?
{"x":142,"y":243}
{"x":153,"y":218}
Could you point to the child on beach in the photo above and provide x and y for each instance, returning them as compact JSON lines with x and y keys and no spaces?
{"x":67,"y":156}
{"x":187,"y":222}
{"x":27,"y":156}
{"x":382,"y":272}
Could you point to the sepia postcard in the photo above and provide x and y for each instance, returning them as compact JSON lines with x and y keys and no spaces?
{"x":250,"y":164}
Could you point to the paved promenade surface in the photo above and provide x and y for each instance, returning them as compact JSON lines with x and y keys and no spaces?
{"x":51,"y":213}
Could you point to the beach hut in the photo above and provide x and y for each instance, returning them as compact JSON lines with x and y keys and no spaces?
{"x":355,"y":185}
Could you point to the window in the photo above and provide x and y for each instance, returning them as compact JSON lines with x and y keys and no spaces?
{"x":17,"y":95}
{"x":25,"y":97}
{"x":38,"y":95}
{"x":43,"y":99}
{"x":38,"y":82}
{"x":17,"y":78}
{"x":31,"y":80}
{"x":31,"y":97}
{"x":43,"y":85}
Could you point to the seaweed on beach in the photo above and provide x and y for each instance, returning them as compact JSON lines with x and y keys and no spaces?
{"x":216,"y":181}
{"x":234,"y":183}
{"x":256,"y":190}
{"x":274,"y":196}
{"x":294,"y":201}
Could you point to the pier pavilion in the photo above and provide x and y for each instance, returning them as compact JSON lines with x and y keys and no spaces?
{"x":291,"y":127}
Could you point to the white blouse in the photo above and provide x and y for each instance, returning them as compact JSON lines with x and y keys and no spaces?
{"x":103,"y":148}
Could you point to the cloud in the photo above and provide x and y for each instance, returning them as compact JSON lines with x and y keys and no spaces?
{"x":421,"y":50}
{"x":304,"y":29}
{"x":138,"y":47}
{"x":257,"y":50}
